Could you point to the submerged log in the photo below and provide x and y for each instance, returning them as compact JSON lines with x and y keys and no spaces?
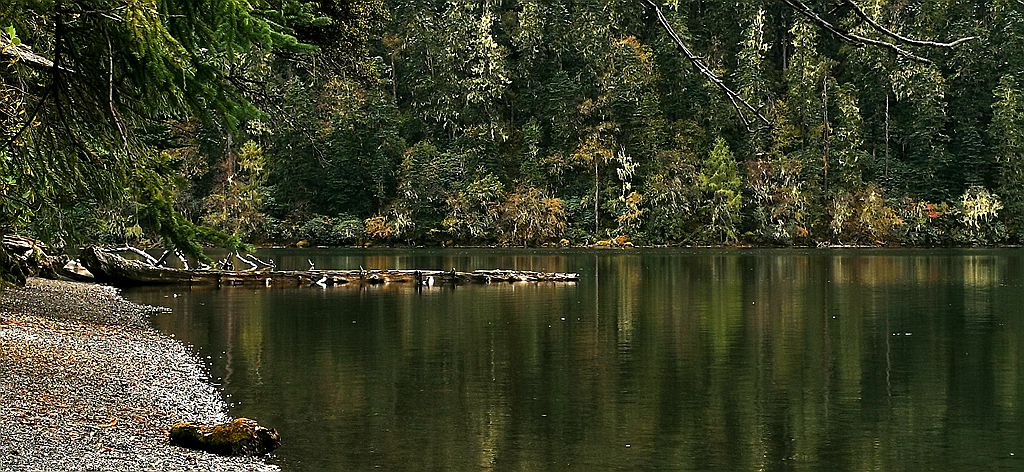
{"x":111,"y":268}
{"x":239,"y":437}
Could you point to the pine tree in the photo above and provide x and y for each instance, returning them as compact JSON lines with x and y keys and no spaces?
{"x":720,"y":185}
{"x":101,"y":78}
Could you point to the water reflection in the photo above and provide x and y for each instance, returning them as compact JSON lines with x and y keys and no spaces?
{"x":656,"y":360}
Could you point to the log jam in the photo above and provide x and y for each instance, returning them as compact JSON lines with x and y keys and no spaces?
{"x":111,"y":268}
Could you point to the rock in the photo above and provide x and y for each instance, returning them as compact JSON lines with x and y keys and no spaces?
{"x":74,"y":270}
{"x":239,"y":437}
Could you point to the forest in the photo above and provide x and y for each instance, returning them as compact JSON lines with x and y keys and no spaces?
{"x":192,"y":123}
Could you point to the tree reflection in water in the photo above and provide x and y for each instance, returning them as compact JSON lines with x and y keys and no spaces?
{"x":657,"y":360}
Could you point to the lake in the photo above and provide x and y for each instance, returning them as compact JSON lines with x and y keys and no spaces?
{"x":659,"y":359}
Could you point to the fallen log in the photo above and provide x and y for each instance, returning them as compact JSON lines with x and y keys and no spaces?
{"x":106,"y":266}
{"x":22,"y":257}
{"x":239,"y":437}
{"x":111,"y":268}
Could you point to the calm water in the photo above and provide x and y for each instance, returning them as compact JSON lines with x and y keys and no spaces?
{"x":656,"y":360}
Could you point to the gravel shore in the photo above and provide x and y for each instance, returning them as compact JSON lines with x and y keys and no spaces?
{"x":86,"y":384}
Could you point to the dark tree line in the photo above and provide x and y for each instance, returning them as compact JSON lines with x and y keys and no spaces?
{"x":514,"y":122}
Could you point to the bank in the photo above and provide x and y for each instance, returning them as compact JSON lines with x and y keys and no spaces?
{"x":87,"y":384}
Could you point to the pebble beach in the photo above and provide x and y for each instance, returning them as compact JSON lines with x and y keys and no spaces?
{"x":87,"y":384}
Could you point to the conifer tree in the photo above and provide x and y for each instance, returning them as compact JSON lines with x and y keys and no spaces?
{"x":720,"y":185}
{"x":95,"y":80}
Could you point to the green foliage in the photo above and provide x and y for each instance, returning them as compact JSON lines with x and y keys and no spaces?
{"x":12,"y":36}
{"x":920,"y":130}
{"x":341,"y":230}
{"x":517,"y":123}
{"x":472,"y":211}
{"x":925,"y":223}
{"x":85,"y":88}
{"x":673,"y":203}
{"x":865,"y":217}
{"x":778,"y":198}
{"x":978,"y":212}
{"x":157,"y":212}
{"x":719,"y":183}
{"x":236,"y":207}
{"x":1007,"y":132}
{"x":529,"y":217}
{"x":428,"y":179}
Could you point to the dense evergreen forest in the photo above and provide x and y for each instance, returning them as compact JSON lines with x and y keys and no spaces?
{"x":518,"y":122}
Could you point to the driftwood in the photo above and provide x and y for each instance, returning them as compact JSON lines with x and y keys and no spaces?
{"x":239,"y":437}
{"x":111,"y":268}
{"x":22,"y":257}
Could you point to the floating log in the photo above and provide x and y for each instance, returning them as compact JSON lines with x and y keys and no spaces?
{"x":111,"y":268}
{"x":239,"y":437}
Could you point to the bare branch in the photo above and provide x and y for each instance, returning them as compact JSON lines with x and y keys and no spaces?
{"x":253,"y":259}
{"x":163,"y":258}
{"x":121,"y":128}
{"x":852,"y":38}
{"x":737,"y":101}
{"x":237,"y":255}
{"x":903,"y":39}
{"x":182,"y":258}
{"x":23,"y":53}
{"x":139,"y":252}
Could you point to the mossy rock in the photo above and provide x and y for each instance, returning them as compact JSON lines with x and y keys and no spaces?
{"x":239,"y":437}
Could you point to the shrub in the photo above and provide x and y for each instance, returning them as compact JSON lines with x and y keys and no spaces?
{"x":322,"y":230}
{"x":978,"y":212}
{"x":528,"y":217}
{"x":925,"y":223}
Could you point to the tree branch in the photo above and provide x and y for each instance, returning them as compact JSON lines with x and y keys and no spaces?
{"x":903,"y":39}
{"x":24,"y":54}
{"x":54,"y":67}
{"x":139,"y":252}
{"x":737,"y":101}
{"x":122,"y":130}
{"x":852,"y":38}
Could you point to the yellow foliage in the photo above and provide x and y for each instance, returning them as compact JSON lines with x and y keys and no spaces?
{"x":377,"y":227}
{"x":529,"y":217}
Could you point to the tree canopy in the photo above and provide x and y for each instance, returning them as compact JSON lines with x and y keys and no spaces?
{"x":513,"y":122}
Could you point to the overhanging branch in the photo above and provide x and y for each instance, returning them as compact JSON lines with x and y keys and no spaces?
{"x":903,"y":39}
{"x":738,"y":102}
{"x":852,"y":38}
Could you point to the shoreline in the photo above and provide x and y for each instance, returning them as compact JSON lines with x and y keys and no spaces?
{"x":88,"y":384}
